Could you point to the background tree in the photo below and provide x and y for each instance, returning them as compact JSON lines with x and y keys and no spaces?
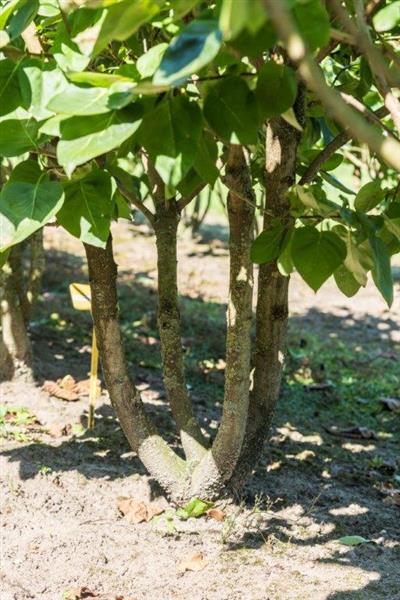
{"x":130,"y":104}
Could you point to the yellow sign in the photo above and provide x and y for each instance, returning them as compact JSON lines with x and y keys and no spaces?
{"x":80,"y":296}
{"x":82,"y":300}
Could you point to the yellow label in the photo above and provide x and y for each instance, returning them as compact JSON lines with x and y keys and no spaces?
{"x":80,"y":296}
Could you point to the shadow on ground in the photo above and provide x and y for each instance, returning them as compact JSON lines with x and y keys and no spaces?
{"x":337,"y":372}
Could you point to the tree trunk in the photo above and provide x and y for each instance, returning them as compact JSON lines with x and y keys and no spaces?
{"x":272,"y":300}
{"x":28,"y":284}
{"x":159,"y":459}
{"x":16,"y":352}
{"x":219,"y":464}
{"x":166,"y":222}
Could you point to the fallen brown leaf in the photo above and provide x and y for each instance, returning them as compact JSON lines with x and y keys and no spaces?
{"x":68,"y":389}
{"x":54,"y":389}
{"x":358,"y":433}
{"x":392,"y":404}
{"x":138,"y":511}
{"x":79,"y":593}
{"x":194,"y":563}
{"x":216,"y":513}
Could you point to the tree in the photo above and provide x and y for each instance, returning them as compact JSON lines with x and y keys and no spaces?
{"x":143,"y":104}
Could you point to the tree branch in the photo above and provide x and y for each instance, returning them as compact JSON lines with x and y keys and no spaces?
{"x":387,"y":148}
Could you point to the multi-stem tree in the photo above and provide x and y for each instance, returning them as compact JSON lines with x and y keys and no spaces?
{"x":143,"y":104}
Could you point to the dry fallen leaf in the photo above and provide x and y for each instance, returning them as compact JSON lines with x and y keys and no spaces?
{"x":55,"y":389}
{"x":194,"y":563}
{"x":79,"y":594}
{"x":68,"y":389}
{"x":216,"y":513}
{"x":138,"y":511}
{"x":392,"y":404}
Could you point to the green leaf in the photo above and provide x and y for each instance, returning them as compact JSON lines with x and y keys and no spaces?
{"x":81,"y":101}
{"x":194,"y":48}
{"x":88,"y":208}
{"x":67,"y":53}
{"x":182,"y":7}
{"x":20,"y":20}
{"x":6,"y":11}
{"x":170,"y":132}
{"x":85,"y":138}
{"x":105,"y":80}
{"x":27,"y":203}
{"x":38,"y":82}
{"x":268,"y":245}
{"x":148,"y":63}
{"x":393,"y":225}
{"x":123,"y":19}
{"x":276,"y":89}
{"x":313,"y":22}
{"x":194,"y":509}
{"x":254,"y":44}
{"x":354,"y":261}
{"x":352,"y":540}
{"x":237,"y":16}
{"x":369,"y":196}
{"x":18,"y":136}
{"x":231,"y":110}
{"x":205,"y":160}
{"x":346,"y":281}
{"x":382,"y":272}
{"x":10,"y":93}
{"x":336,"y":183}
{"x":316,"y":254}
{"x":388,"y":17}
{"x":49,"y":8}
{"x":313,"y":197}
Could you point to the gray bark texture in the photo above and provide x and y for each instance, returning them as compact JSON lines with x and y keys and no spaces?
{"x":158,"y":458}
{"x":169,"y":321}
{"x":219,"y":464}
{"x":272,"y":299}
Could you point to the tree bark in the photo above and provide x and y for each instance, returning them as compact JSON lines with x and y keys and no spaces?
{"x":158,"y":458}
{"x":166,"y":221}
{"x":272,"y":299}
{"x":28,"y":285}
{"x":220,"y":462}
{"x":16,"y":352}
{"x":169,"y":321}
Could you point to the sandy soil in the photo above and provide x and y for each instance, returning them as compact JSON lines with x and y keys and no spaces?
{"x":61,"y":528}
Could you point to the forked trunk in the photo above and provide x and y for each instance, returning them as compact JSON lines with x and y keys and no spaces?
{"x":159,"y":459}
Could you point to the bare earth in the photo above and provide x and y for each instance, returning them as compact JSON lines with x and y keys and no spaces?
{"x":61,"y":528}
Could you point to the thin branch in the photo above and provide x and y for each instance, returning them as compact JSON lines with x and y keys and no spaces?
{"x":391,"y":102}
{"x":133,"y":199}
{"x":361,"y":36}
{"x":369,"y":114}
{"x":386,"y":147}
